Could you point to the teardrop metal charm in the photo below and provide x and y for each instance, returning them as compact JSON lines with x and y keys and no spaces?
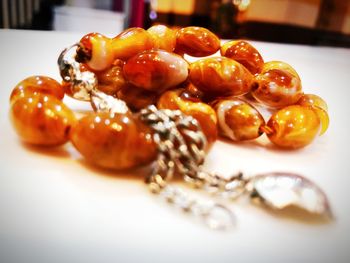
{"x":281,"y":190}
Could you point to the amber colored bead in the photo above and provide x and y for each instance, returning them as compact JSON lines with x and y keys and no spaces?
{"x":244,"y":53}
{"x":163,"y":37}
{"x":99,"y":51}
{"x":278,"y":85}
{"x":131,"y":42}
{"x":156,"y":70}
{"x":204,"y":114}
{"x":41,"y":119}
{"x":37,"y":84}
{"x":237,"y":119}
{"x":293,"y":127}
{"x":320,"y":107}
{"x":137,"y":98}
{"x":114,"y":141}
{"x":220,"y":76}
{"x":196,"y":41}
{"x":111,"y":80}
{"x":96,"y":51}
{"x":312,"y":100}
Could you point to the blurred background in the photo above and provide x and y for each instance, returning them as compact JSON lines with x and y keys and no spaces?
{"x":311,"y":22}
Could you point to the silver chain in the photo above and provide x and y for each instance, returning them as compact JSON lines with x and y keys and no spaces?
{"x":181,"y":149}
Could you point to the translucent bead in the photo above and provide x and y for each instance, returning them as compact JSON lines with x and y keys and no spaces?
{"x":41,"y":119}
{"x":278,"y":85}
{"x":111,"y":80}
{"x":99,"y":51}
{"x":164,"y":37}
{"x":244,"y":53}
{"x":96,"y":51}
{"x":220,"y":76}
{"x":137,"y":98}
{"x":238,"y":120}
{"x":196,"y":41}
{"x":37,"y":84}
{"x":156,"y":70}
{"x":113,"y":141}
{"x":319,"y":106}
{"x":293,"y":127}
{"x":131,"y":42}
{"x":204,"y":114}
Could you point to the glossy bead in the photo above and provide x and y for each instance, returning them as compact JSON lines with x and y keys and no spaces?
{"x":278,"y":85}
{"x":113,"y":141}
{"x":196,"y":41}
{"x":293,"y":127}
{"x":244,"y":53}
{"x":96,"y":51}
{"x":41,"y":119}
{"x":111,"y":80}
{"x":312,"y":100}
{"x":137,"y":98}
{"x":163,"y":37}
{"x":204,"y":114}
{"x":319,"y":106}
{"x":156,"y":70}
{"x":99,"y":51}
{"x":220,"y":76}
{"x":37,"y":84}
{"x":238,"y":120}
{"x":131,"y":42}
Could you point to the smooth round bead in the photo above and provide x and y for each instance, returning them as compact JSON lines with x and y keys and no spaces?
{"x":196,"y":41}
{"x":156,"y":70}
{"x":37,"y":84}
{"x":204,"y":114}
{"x":238,"y":120}
{"x":244,"y":53}
{"x":111,"y":80}
{"x":319,"y":106}
{"x":41,"y":119}
{"x":312,"y":100}
{"x":220,"y":76}
{"x":137,"y":98}
{"x":163,"y":37}
{"x":114,"y":141}
{"x":278,"y":85}
{"x":131,"y":42}
{"x":293,"y":127}
{"x":96,"y":51}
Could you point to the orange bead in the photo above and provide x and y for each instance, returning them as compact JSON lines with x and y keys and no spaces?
{"x":113,"y":141}
{"x":137,"y":98}
{"x":131,"y":42}
{"x":156,"y":70}
{"x":319,"y":106}
{"x":220,"y":76}
{"x":96,"y":51}
{"x":111,"y":80}
{"x":278,"y":85}
{"x":293,"y":127}
{"x":41,"y":119}
{"x":204,"y":114}
{"x":196,"y":41}
{"x":237,"y":119}
{"x":163,"y":37}
{"x":37,"y":84}
{"x":99,"y":51}
{"x":244,"y":53}
{"x":312,"y":100}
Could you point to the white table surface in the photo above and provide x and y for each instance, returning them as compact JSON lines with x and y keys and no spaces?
{"x":56,"y":208}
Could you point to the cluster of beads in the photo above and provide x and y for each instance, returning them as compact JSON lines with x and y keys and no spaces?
{"x":144,"y":67}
